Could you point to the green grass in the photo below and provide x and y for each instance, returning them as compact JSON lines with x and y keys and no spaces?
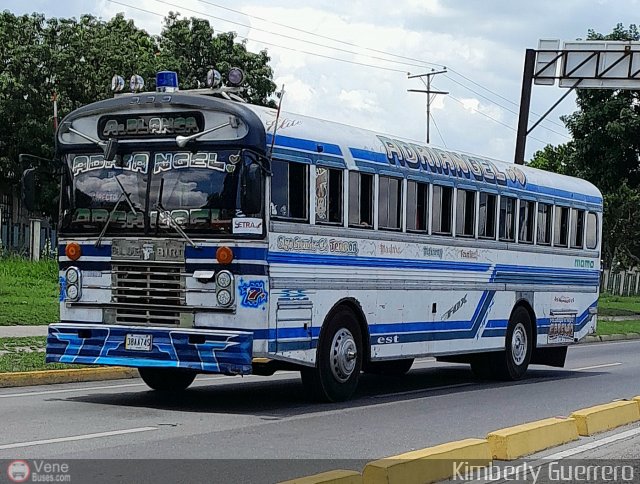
{"x":25,"y":354}
{"x":610,"y":305}
{"x":28,"y":292}
{"x":616,"y":327}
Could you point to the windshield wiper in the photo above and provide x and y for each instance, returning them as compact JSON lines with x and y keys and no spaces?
{"x":171,"y":222}
{"x":182,"y":141}
{"x":113,"y":210}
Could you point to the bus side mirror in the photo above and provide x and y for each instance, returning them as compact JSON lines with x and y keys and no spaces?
{"x":110,"y":149}
{"x":251,"y":195}
{"x":31,"y":189}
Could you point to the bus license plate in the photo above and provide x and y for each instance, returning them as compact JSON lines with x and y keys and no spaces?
{"x":138,"y":342}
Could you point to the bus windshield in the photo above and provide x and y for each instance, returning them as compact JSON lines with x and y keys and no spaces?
{"x":137,"y":192}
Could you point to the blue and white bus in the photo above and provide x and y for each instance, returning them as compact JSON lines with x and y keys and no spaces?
{"x":205,"y":235}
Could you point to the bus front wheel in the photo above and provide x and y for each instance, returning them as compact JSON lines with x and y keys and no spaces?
{"x":339,"y":360}
{"x":167,"y":379}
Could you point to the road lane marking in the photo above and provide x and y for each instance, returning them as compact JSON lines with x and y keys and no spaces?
{"x":594,"y":445}
{"x":102,"y":387}
{"x":67,"y":390}
{"x":422,"y":390}
{"x":76,"y":437}
{"x":604,"y":365}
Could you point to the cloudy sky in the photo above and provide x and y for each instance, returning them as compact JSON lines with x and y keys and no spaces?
{"x":348,"y":60}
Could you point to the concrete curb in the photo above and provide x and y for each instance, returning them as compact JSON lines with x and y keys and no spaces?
{"x":608,"y":416}
{"x":610,"y":337}
{"x":49,"y":377}
{"x":427,"y":465}
{"x":331,"y":477}
{"x":520,"y":440}
{"x":438,"y":463}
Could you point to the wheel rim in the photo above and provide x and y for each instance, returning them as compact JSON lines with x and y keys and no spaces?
{"x":519,"y":344}
{"x":344,"y":355}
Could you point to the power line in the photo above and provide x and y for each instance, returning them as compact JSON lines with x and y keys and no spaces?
{"x":438,"y":130}
{"x":503,"y":107}
{"x":334,"y":48}
{"x":499,"y":95}
{"x":326,"y":37}
{"x":413,"y":59}
{"x":492,"y":118}
{"x":290,"y":37}
{"x":319,"y":55}
{"x":391,"y":69}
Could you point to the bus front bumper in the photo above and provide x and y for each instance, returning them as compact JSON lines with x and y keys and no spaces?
{"x":203,"y":350}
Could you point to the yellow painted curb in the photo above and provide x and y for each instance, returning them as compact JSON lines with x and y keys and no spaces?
{"x":332,"y":477}
{"x":48,"y":377}
{"x":427,"y":465}
{"x":607,"y":416}
{"x":514,"y":442}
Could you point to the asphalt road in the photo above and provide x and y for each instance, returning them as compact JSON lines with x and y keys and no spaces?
{"x":267,"y":418}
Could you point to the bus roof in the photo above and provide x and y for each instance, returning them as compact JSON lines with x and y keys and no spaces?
{"x":313,"y":140}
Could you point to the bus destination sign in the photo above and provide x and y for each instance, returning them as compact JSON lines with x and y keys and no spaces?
{"x":124,"y":126}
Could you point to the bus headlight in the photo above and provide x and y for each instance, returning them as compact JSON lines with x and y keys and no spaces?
{"x":223,"y":279}
{"x":224,"y":297}
{"x":73,"y":275}
{"x":73,"y":292}
{"x":74,"y":284}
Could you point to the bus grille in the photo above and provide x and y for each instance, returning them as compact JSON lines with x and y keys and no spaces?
{"x":148,"y":294}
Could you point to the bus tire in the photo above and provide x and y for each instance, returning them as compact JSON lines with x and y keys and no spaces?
{"x":338,"y":360}
{"x":512,"y":364}
{"x":389,"y":368}
{"x":167,"y":379}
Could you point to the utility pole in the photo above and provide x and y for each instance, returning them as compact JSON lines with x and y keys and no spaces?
{"x":430,"y":94}
{"x":54,"y":98}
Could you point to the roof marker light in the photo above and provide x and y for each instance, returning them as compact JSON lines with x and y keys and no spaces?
{"x":167,"y":81}
{"x":136,"y":83}
{"x":235,"y":76}
{"x":117,"y":83}
{"x":214,"y":78}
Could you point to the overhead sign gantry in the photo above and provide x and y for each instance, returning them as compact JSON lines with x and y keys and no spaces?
{"x":579,"y":64}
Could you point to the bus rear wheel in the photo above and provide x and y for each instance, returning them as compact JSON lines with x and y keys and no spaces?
{"x":338,"y":360}
{"x":167,"y":379}
{"x":512,"y":363}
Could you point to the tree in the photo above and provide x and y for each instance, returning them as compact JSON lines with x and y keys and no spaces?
{"x":190,"y":47}
{"x":605,"y":150}
{"x":554,"y":158}
{"x":75,"y":59}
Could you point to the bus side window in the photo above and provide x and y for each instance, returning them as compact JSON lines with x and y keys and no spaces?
{"x":526,"y":218}
{"x":561,"y":227}
{"x":289,"y":189}
{"x":466,"y":213}
{"x":360,"y":200}
{"x":592,"y":230}
{"x":507,"y":219}
{"x":544,"y":224}
{"x":389,"y":203}
{"x":577,"y":228}
{"x":417,"y":206}
{"x":442,"y":210}
{"x":328,"y":196}
{"x":487,"y":216}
